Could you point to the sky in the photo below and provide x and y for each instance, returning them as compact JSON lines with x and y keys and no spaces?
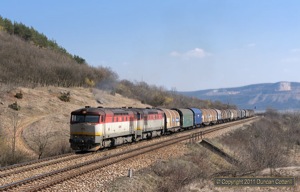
{"x":183,"y":45}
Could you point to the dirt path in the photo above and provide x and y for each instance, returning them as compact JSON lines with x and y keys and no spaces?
{"x":21,"y":144}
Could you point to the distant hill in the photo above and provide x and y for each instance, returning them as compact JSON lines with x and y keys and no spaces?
{"x":280,"y":96}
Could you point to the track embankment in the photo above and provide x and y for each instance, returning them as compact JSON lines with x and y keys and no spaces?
{"x":208,"y":145}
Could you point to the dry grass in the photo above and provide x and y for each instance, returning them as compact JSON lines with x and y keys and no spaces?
{"x":44,"y":115}
{"x":175,"y":174}
{"x":270,"y":143}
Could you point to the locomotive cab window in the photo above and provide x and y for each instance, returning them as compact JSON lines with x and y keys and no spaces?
{"x":85,"y":119}
{"x":77,"y":118}
{"x":92,"y":118}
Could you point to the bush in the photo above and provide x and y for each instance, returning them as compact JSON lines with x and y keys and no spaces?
{"x":19,"y":95}
{"x":8,"y":157}
{"x":89,"y":82}
{"x":15,"y":106}
{"x":175,"y":174}
{"x":261,"y":145}
{"x":65,"y":96}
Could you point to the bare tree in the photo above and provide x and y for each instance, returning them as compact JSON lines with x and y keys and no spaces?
{"x":15,"y":123}
{"x":40,"y":137}
{"x":9,"y":153}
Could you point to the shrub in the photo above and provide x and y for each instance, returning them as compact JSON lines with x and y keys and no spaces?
{"x":175,"y":174}
{"x":7,"y":158}
{"x":15,"y":106}
{"x":89,"y":82}
{"x":261,"y":145}
{"x":65,"y":96}
{"x":19,"y":95}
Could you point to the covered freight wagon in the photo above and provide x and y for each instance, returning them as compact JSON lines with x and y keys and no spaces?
{"x":172,"y":119}
{"x":219,"y":115}
{"x":186,"y":118}
{"x":197,"y":116}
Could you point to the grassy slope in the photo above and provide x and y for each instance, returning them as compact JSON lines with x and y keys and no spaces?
{"x":42,"y":111}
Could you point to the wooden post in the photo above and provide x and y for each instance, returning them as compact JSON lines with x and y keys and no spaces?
{"x":130,"y":173}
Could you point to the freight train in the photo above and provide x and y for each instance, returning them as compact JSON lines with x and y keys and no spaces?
{"x":94,"y":128}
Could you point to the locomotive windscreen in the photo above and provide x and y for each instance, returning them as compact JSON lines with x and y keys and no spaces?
{"x":85,"y":119}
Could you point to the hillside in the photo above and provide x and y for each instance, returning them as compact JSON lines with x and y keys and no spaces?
{"x":280,"y":96}
{"x":31,"y":35}
{"x":42,"y":71}
{"x":25,"y":64}
{"x":44,"y":116}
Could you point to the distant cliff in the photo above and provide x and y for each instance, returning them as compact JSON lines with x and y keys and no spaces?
{"x":281,"y":96}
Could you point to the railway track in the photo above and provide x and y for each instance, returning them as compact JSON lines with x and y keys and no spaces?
{"x":4,"y":171}
{"x":20,"y":168}
{"x":37,"y":182}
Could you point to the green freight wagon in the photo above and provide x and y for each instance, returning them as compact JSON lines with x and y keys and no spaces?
{"x":186,"y":118}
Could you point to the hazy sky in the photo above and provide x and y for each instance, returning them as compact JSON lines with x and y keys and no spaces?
{"x":183,"y":44}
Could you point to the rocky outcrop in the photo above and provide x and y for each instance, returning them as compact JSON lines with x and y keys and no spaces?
{"x":280,"y":96}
